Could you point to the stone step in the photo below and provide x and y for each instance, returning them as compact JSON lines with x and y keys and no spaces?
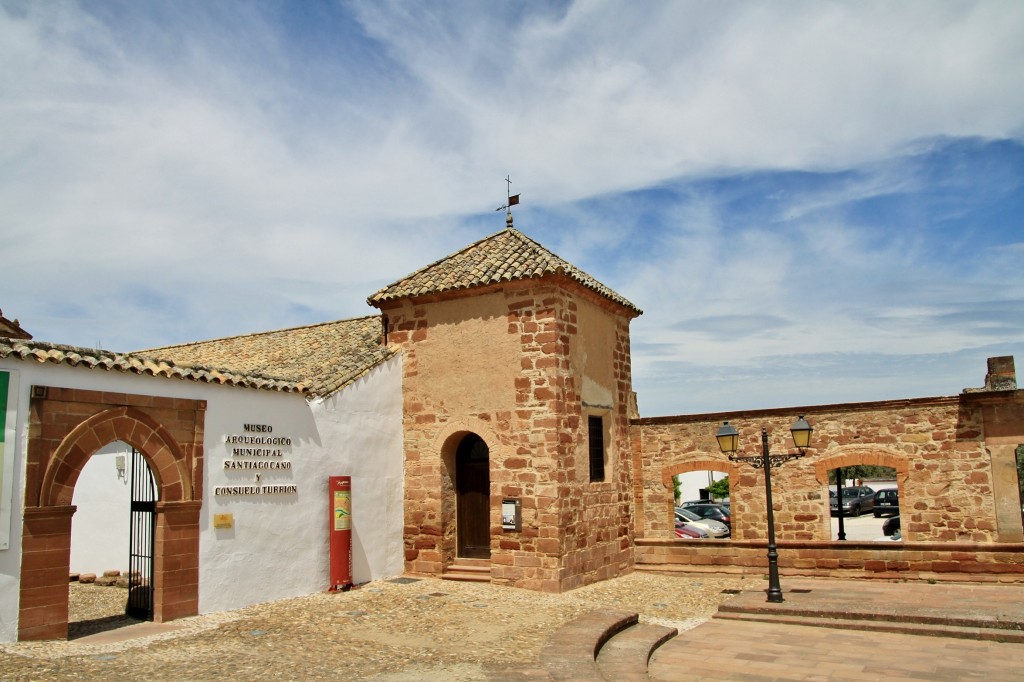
{"x":478,"y":563}
{"x":599,"y":645}
{"x":469,"y":570}
{"x":846,"y":615}
{"x":625,"y":656}
{"x":467,"y":577}
{"x":571,"y":653}
{"x":990,"y":634}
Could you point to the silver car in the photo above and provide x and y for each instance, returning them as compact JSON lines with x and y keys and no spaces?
{"x":715,"y":529}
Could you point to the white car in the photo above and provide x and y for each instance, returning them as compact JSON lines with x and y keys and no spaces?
{"x":715,"y":529}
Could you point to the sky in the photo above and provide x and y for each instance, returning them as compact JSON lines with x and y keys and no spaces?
{"x":813,"y":202}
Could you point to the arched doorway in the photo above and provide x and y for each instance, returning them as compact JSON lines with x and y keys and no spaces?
{"x":473,"y":498}
{"x":168,"y":433}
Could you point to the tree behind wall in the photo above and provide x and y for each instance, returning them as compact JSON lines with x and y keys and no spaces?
{"x":1020,"y":473}
{"x":866,"y":471}
{"x":719,"y":489}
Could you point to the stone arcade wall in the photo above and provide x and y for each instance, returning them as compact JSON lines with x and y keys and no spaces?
{"x":521,"y":366}
{"x":956,"y":474}
{"x":944,"y":473}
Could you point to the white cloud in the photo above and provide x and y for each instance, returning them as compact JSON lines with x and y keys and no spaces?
{"x":171,"y":172}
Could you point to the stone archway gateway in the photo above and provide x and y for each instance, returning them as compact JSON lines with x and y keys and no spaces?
{"x":66,"y":427}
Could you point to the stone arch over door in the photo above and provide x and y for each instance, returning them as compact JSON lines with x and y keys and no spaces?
{"x":66,"y":426}
{"x":447,"y":443}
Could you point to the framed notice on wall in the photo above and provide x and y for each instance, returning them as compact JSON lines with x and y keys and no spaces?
{"x":8,"y":411}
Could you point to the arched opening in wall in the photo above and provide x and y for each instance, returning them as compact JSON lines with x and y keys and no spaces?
{"x":1020,"y":479}
{"x":473,"y":498}
{"x":111,"y":558}
{"x":170,"y":440}
{"x":702,"y":505}
{"x":864,"y":503}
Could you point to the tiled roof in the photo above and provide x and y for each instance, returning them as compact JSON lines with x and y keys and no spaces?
{"x":505,"y":256}
{"x":137,"y":363}
{"x":12,"y":328}
{"x":323,"y":358}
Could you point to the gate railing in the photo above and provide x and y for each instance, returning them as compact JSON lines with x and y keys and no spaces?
{"x":142,"y":530}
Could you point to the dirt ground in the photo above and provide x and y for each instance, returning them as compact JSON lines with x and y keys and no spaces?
{"x":399,"y":630}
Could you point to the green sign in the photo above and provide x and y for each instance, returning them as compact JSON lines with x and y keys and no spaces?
{"x":5,"y":382}
{"x":7,"y":405}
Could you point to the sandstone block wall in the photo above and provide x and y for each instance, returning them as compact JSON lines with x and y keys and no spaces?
{"x":951,"y":476}
{"x":520,"y":365}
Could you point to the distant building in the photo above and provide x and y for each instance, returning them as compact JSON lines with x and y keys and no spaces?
{"x":11,"y":329}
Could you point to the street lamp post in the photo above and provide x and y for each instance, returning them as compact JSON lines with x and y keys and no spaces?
{"x":839,"y":502}
{"x":728,"y":440}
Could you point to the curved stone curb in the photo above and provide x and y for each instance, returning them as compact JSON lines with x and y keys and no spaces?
{"x":625,"y":656}
{"x":571,"y":653}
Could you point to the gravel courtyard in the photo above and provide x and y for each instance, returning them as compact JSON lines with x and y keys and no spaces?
{"x":423,"y":629}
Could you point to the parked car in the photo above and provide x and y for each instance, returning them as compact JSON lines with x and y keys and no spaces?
{"x":891,"y":527}
{"x":715,"y":529}
{"x":707,"y":510}
{"x":685,"y":531}
{"x":856,"y":500}
{"x":886,"y":502}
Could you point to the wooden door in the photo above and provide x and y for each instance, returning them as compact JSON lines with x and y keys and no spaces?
{"x":473,"y":498}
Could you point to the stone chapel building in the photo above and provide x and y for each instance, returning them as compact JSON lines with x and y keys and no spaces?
{"x":516,"y":386}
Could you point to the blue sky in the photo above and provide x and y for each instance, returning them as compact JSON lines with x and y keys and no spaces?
{"x":813,"y":202}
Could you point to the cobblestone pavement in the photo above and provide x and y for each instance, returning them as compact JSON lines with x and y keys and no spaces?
{"x":393,"y":631}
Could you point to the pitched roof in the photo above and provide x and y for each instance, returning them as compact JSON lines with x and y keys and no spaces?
{"x":137,"y":363}
{"x":505,"y":256}
{"x":12,"y":328}
{"x":323,"y":358}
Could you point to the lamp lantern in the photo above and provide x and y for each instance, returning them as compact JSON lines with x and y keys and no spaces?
{"x":801,"y":431}
{"x":728,"y":438}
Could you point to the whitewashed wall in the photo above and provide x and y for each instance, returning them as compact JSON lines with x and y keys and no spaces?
{"x":278,"y":545}
{"x":363,"y":424}
{"x":100,"y":527}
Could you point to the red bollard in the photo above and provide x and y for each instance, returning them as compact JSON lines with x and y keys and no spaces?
{"x":340,"y":491}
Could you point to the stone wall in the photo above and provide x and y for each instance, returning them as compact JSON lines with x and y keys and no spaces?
{"x":516,"y":364}
{"x":967,"y":561}
{"x":951,"y":474}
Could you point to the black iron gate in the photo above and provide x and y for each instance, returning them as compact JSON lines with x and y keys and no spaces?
{"x":141,"y":542}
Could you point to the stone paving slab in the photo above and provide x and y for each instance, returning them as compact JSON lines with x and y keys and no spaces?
{"x":728,"y":650}
{"x":958,"y":604}
{"x":736,"y":650}
{"x":128,"y":632}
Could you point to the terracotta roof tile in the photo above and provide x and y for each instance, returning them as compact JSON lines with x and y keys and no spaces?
{"x":502,"y":257}
{"x":324,"y":358}
{"x":138,"y":363}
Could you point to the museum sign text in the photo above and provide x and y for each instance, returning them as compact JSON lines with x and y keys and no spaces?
{"x":256,"y":449}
